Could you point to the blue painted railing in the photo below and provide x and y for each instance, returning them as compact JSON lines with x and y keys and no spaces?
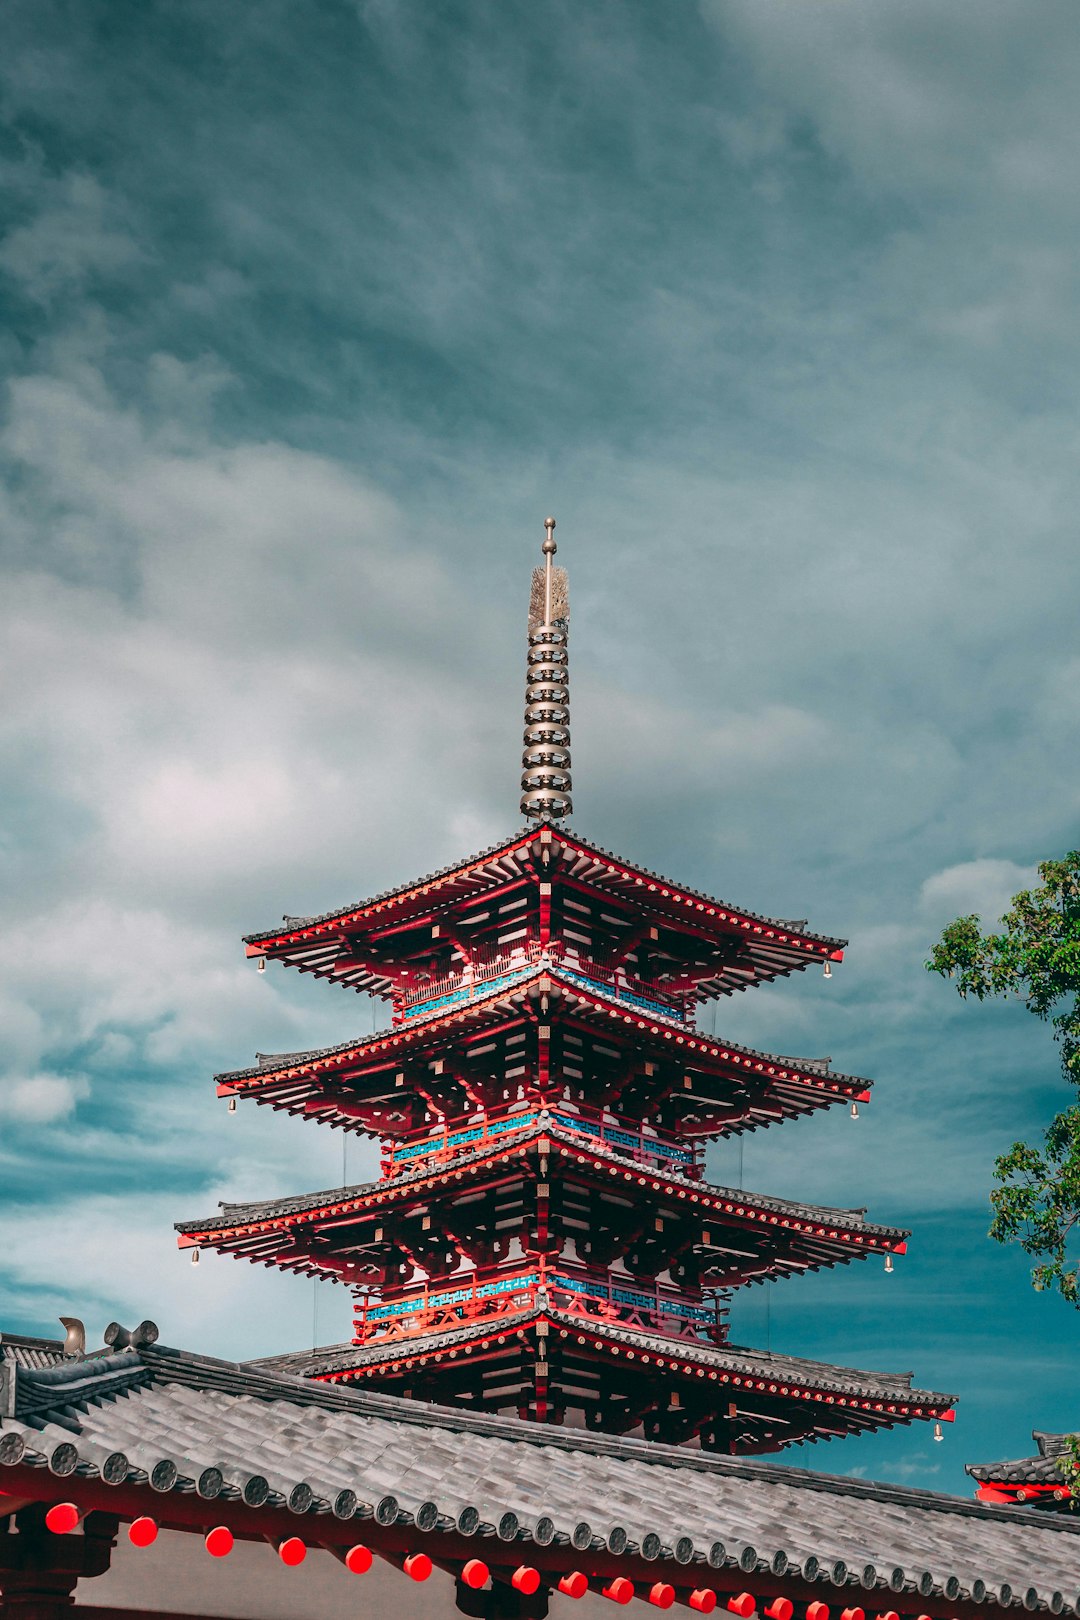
{"x":526,"y":1283}
{"x":472,"y":990}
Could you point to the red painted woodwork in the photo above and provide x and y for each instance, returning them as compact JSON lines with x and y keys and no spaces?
{"x":292,"y":1551}
{"x":1002,"y":1491}
{"x":619,"y":1590}
{"x":417,"y":1566}
{"x":574,"y":1585}
{"x":541,"y":1239}
{"x":219,"y":1541}
{"x":525,"y":1580}
{"x":358,"y":1559}
{"x":475,"y":1573}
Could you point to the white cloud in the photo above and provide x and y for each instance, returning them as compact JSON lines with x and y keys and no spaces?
{"x":916,"y":95}
{"x":102,"y":1257}
{"x":983,"y":887}
{"x":781,"y":330}
{"x":76,"y":234}
{"x":40,"y":1099}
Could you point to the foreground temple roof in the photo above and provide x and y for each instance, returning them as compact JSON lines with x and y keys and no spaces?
{"x":200,"y":1442}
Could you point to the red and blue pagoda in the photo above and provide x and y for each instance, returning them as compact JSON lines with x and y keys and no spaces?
{"x":542,"y":1240}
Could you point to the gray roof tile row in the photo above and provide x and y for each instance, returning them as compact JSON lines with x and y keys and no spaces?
{"x":293,"y":923}
{"x":1043,"y":1469}
{"x":269,"y":1209}
{"x":732,"y":1358}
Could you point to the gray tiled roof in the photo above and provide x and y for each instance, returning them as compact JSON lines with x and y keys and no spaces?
{"x":269,"y":1209}
{"x":267,"y":1062}
{"x":795,"y":926}
{"x":733,"y":1358}
{"x":33,"y":1353}
{"x":280,"y":1441}
{"x":1040,"y":1470}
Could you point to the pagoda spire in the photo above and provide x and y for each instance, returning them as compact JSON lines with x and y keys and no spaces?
{"x":545,"y":777}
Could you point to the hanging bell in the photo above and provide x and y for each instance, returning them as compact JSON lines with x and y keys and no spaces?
{"x":194,"y":1257}
{"x":828,"y":970}
{"x":888,"y":1263}
{"x":232,"y":1105}
{"x":261,"y":964}
{"x":854,"y":1110}
{"x":938,"y":1435}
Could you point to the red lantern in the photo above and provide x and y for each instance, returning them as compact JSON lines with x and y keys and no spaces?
{"x":63,"y":1518}
{"x":141,"y":1532}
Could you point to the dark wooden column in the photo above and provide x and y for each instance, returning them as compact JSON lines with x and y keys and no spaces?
{"x":39,"y":1570}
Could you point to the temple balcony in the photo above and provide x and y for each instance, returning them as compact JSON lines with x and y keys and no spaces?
{"x":533,"y":1287}
{"x":481,"y":978}
{"x":471,"y":1132}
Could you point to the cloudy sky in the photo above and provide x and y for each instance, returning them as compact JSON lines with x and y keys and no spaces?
{"x":312,"y":311}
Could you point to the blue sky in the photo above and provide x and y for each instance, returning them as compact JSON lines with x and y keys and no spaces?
{"x":311,"y":313}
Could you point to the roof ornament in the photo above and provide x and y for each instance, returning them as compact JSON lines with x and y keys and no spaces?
{"x":75,"y":1338}
{"x":545,"y":778}
{"x":138,"y":1338}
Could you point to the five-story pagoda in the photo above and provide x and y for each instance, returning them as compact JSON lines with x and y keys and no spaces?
{"x":542,"y":1239}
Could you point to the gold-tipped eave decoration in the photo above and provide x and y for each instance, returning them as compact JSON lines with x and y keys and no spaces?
{"x":545,"y":777}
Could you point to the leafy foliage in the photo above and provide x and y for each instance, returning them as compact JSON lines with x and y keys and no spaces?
{"x":1036,"y":957}
{"x":1069,"y":1466}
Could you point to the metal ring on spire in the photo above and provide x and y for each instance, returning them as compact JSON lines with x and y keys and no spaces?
{"x":545,"y":779}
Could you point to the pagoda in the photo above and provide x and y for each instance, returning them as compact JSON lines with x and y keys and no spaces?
{"x":543,"y":1240}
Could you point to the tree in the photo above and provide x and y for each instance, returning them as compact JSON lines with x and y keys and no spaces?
{"x":1036,"y":957}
